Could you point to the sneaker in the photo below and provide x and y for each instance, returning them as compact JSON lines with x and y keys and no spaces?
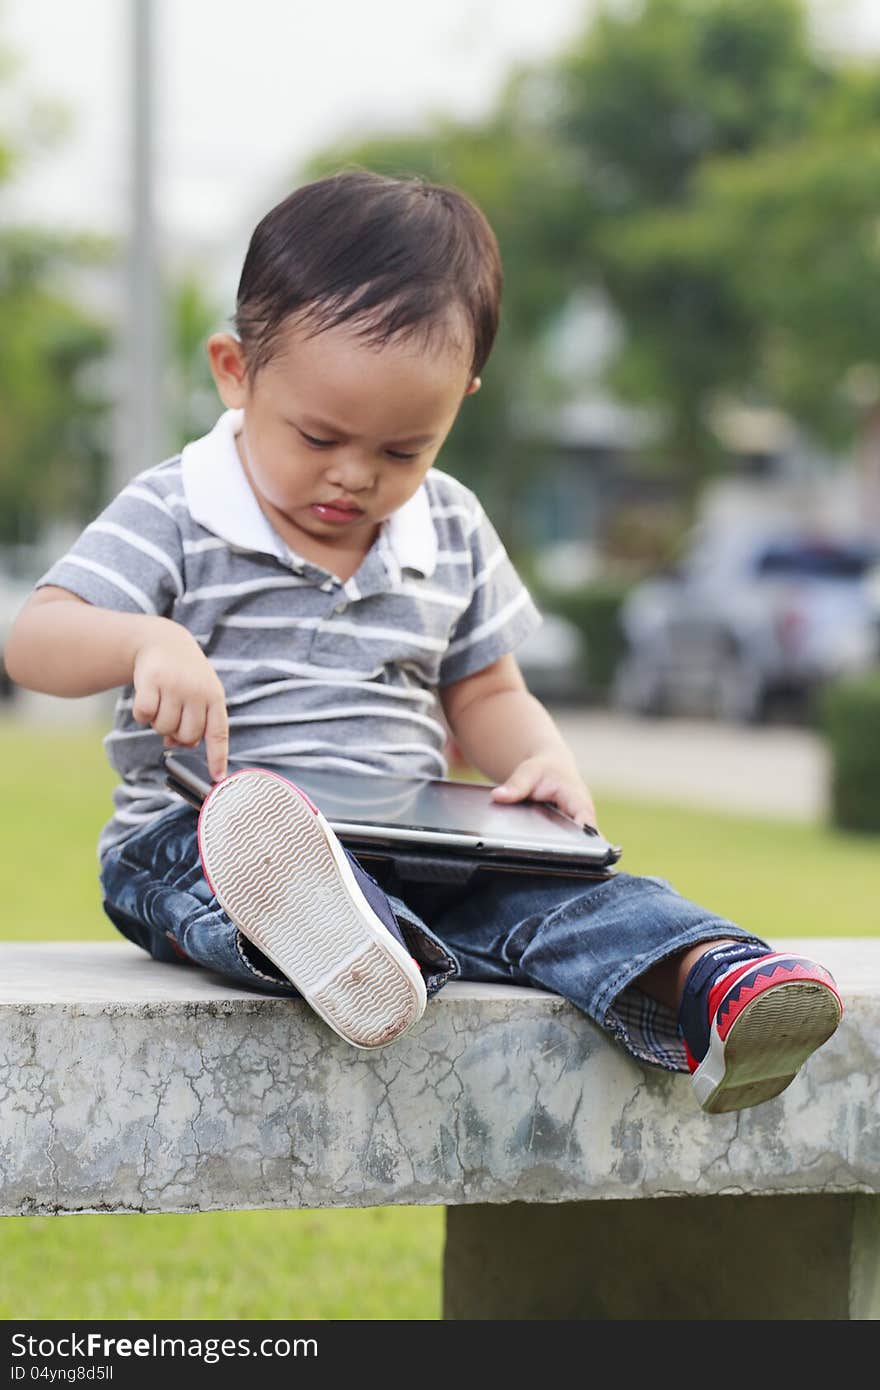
{"x":765,"y":1018}
{"x":280,"y":873}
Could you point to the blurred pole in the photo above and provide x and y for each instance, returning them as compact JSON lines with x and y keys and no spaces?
{"x":141,"y":431}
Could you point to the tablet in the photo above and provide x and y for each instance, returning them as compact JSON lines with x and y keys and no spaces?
{"x":439,"y":816}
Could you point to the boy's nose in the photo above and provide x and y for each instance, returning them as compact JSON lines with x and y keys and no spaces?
{"x":352,"y":472}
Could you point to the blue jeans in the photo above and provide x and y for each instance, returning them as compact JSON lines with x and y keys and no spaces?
{"x":588,"y":940}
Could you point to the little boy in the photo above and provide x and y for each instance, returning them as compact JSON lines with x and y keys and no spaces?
{"x":303,"y":588}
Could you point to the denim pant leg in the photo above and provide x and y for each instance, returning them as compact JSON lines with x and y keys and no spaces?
{"x":588,"y":940}
{"x":155,"y":892}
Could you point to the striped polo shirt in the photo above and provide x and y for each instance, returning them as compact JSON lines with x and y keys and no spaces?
{"x":318,"y":673}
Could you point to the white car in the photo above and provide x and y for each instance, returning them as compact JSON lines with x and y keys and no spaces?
{"x":749,"y":617}
{"x":554,"y":660}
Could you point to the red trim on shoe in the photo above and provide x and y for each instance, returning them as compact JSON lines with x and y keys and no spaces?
{"x":689,"y":1057}
{"x":729,"y":978}
{"x":755,"y":1061}
{"x":783,"y":974}
{"x":199,"y":837}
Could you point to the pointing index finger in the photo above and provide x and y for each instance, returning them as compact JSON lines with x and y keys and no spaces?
{"x":217,"y":740}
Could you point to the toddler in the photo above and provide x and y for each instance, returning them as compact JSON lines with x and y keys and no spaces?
{"x":303,"y":588}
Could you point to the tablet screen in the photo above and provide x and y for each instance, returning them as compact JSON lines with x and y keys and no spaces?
{"x":440,"y":806}
{"x":462,"y":808}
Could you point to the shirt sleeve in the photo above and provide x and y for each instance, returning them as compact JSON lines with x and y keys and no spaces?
{"x":130,"y":558}
{"x":500,"y":615}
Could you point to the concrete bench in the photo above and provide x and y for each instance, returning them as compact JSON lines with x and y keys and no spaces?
{"x":578,"y":1184}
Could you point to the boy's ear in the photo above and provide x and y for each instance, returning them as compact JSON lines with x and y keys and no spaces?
{"x":228,"y":368}
{"x":474,"y":386}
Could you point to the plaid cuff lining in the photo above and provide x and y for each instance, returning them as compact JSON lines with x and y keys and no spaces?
{"x":647,"y":1029}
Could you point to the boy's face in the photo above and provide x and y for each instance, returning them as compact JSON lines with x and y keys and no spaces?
{"x":339,"y":433}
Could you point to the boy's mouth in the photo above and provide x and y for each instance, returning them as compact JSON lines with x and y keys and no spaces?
{"x":336,"y":512}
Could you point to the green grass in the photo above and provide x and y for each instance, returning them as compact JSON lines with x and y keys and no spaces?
{"x":779,"y":879}
{"x":381,"y":1263}
{"x":58,"y":795}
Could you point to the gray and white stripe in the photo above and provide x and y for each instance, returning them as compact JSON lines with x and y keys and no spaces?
{"x":317,"y":673}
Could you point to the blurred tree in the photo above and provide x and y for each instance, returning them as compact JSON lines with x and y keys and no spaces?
{"x":653,"y":90}
{"x":798,"y":234}
{"x":189,"y":391}
{"x":54,"y":406}
{"x":644,"y":161}
{"x":652,"y":98}
{"x":54,"y":397}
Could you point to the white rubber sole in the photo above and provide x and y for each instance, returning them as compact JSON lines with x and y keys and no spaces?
{"x":766,"y":1046}
{"x":279,"y":872}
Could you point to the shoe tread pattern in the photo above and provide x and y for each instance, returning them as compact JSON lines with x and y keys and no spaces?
{"x":274,"y":874}
{"x":770,"y":1042}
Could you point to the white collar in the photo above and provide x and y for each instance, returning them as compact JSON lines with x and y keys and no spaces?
{"x":221,"y":499}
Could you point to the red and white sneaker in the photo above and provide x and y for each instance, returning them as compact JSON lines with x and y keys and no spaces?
{"x":280,"y":873}
{"x":765,"y":1018}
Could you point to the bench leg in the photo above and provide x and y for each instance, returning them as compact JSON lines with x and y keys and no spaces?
{"x":787,"y":1257}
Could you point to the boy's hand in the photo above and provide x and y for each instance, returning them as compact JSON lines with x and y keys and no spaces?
{"x":179,"y":693}
{"x":548,"y":777}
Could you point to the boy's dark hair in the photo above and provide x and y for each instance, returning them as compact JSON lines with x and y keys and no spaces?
{"x":397,"y":253}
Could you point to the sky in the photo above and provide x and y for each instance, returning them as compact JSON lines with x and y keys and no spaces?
{"x":245,"y":90}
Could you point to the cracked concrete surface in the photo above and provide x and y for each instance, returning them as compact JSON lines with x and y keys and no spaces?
{"x":130,"y":1085}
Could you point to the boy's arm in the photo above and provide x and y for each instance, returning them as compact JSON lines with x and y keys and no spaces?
{"x":507,"y":734}
{"x":61,"y":644}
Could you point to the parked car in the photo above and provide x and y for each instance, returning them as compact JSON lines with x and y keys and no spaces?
{"x":554,"y":660}
{"x":749,"y":617}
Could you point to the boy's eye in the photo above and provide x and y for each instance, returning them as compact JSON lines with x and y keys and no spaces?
{"x":317,"y":443}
